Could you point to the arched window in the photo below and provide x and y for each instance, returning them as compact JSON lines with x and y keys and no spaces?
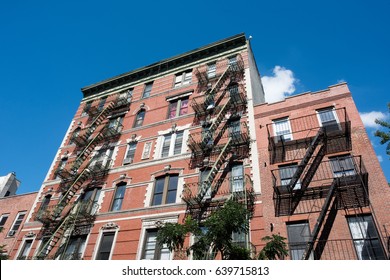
{"x":139,"y":118}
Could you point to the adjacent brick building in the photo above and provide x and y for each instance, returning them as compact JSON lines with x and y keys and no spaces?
{"x":172,"y":139}
{"x":13,"y":213}
{"x":321,"y":182}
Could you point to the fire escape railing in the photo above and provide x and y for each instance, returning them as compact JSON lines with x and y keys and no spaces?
{"x":60,"y":218}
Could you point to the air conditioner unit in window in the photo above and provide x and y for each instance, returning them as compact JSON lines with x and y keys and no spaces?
{"x":127,"y":161}
{"x":11,"y":232}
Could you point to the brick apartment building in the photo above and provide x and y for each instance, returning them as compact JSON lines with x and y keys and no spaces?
{"x":13,"y":211}
{"x":321,"y":183}
{"x":178,"y":138}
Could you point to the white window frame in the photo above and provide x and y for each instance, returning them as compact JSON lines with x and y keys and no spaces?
{"x":149,"y":224}
{"x":211,"y":70}
{"x":172,"y":144}
{"x":183,"y":78}
{"x":127,"y":159}
{"x":286,"y":136}
{"x":286,"y":183}
{"x":21,"y":248}
{"x":97,"y":246}
{"x":330,"y":108}
{"x":13,"y":224}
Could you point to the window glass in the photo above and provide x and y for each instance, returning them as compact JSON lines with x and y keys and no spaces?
{"x":105,"y":246}
{"x":147,"y":90}
{"x":118,"y":198}
{"x":298,"y":236}
{"x":139,"y":118}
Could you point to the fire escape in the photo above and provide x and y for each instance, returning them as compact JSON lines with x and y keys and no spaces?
{"x":72,"y":213}
{"x":223,"y":139}
{"x":311,"y":184}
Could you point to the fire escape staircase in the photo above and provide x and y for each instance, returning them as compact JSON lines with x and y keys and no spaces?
{"x":57,"y":225}
{"x":308,"y":155}
{"x":206,"y":184}
{"x":320,"y":220}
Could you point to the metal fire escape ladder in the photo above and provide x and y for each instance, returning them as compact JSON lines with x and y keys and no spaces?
{"x":68,"y":223}
{"x":217,"y":121}
{"x":297,"y":195}
{"x":206,"y":184}
{"x":309,"y":153}
{"x":320,"y":220}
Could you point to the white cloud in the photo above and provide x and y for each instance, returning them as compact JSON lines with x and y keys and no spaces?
{"x":280,"y":85}
{"x":369,"y":118}
{"x":380,"y":158}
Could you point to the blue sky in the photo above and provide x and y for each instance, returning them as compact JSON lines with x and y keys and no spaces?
{"x":51,"y":49}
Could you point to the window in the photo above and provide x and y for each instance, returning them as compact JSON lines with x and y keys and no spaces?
{"x":87,"y":107}
{"x":237,"y":178}
{"x":184,"y":78}
{"x":328,"y":119}
{"x":233,"y":92}
{"x":101,"y":103}
{"x":45,"y":203}
{"x":25,"y":249}
{"x":286,"y":173}
{"x":165,"y":190}
{"x":172,"y":144}
{"x":18,"y":221}
{"x":74,"y":248}
{"x":90,"y":200}
{"x":204,"y":185}
{"x":139,"y":119}
{"x":118,"y":197}
{"x":116,"y":123}
{"x":342,"y":166}
{"x":365,"y":238}
{"x":128,"y":94}
{"x":75,"y":134}
{"x":151,"y":250}
{"x":102,"y":158}
{"x":207,"y":136}
{"x":105,"y":246}
{"x":130,"y":153}
{"x":239,"y":238}
{"x":282,"y":129}
{"x":298,"y":235}
{"x":211,"y":70}
{"x":3,"y":219}
{"x":234,"y":128}
{"x":147,"y":90}
{"x":178,"y":107}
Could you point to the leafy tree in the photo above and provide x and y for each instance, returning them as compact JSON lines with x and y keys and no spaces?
{"x":213,"y":236}
{"x":385,"y":136}
{"x":275,"y":248}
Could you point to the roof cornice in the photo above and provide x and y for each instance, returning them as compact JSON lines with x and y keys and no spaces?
{"x":166,"y":64}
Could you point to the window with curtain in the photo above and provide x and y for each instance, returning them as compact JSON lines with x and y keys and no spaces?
{"x":178,"y":107}
{"x":365,"y":238}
